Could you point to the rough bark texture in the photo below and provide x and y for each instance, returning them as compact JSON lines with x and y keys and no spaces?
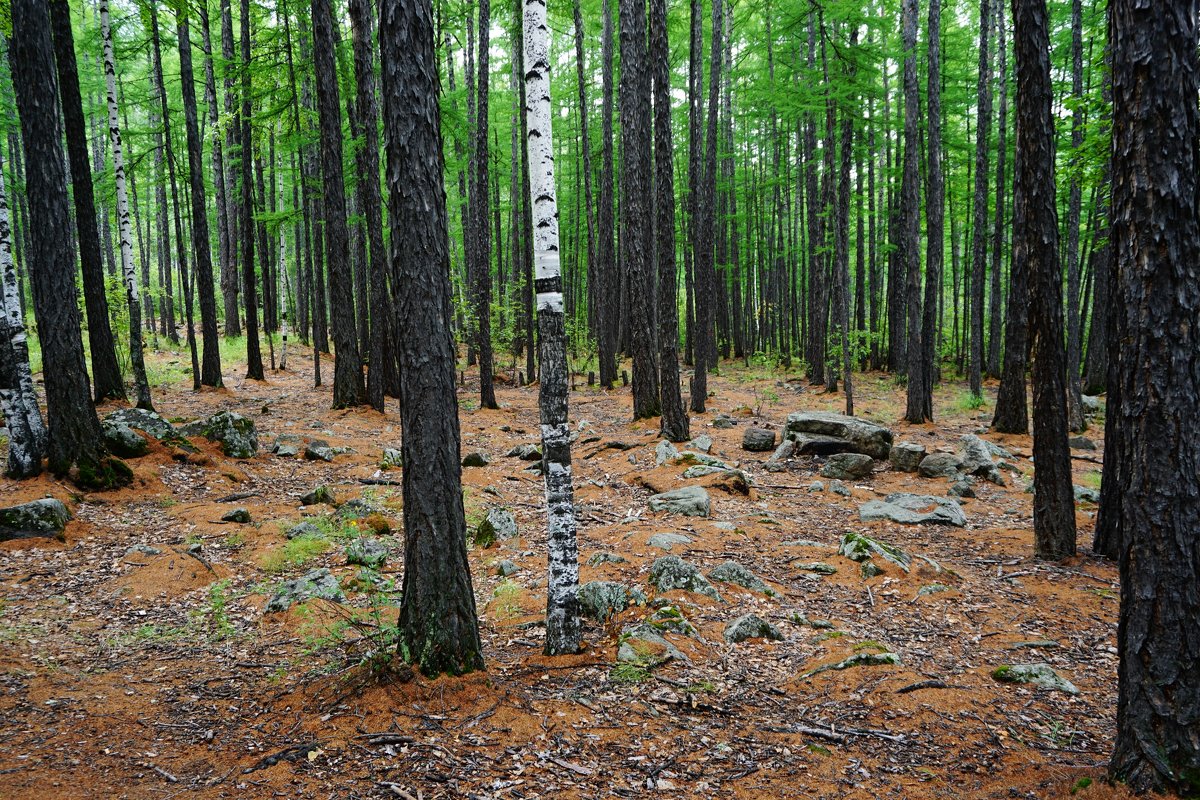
{"x":106,"y":374}
{"x":1074,"y":205}
{"x":910,"y":201}
{"x":219,"y":188}
{"x":210,"y":367}
{"x":983,"y":128}
{"x":438,"y":625}
{"x":254,"y":365}
{"x":563,"y":626}
{"x":607,"y":311}
{"x":674,"y":424}
{"x":842,"y":250}
{"x":636,"y":239}
{"x":481,"y":270}
{"x":142,"y":386}
{"x":585,"y":146}
{"x":1156,"y":242}
{"x":1036,"y":240}
{"x":229,"y":265}
{"x":999,"y":229}
{"x":74,"y":431}
{"x":348,"y":388}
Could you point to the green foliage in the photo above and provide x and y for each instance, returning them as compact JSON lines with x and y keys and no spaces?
{"x":628,"y":674}
{"x":295,"y":553}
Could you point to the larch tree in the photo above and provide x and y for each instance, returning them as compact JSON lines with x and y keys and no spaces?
{"x":136,"y":355}
{"x":1074,"y":209}
{"x":439,"y":628}
{"x":983,"y":126}
{"x":245,"y":157}
{"x":106,"y":373}
{"x":910,"y":203}
{"x":564,"y":630}
{"x":480,"y":270}
{"x":674,"y":423}
{"x":348,"y":388}
{"x":704,"y":225}
{"x":1156,"y":244}
{"x":1035,"y":239}
{"x":74,"y":442}
{"x":607,"y":309}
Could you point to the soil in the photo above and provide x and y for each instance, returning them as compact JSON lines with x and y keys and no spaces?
{"x":130,"y":674}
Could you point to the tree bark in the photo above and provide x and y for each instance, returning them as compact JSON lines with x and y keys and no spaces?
{"x":999,"y":229}
{"x":979,"y":225}
{"x":607,"y":310}
{"x":704,"y":339}
{"x":439,"y":628}
{"x":254,"y":365}
{"x":910,"y":202}
{"x":481,"y":270}
{"x":1074,"y":205}
{"x":1156,"y":242}
{"x":229,"y":268}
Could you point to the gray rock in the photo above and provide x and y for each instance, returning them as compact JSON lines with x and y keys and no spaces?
{"x":817,"y":567}
{"x":355,"y":509}
{"x":977,"y":459}
{"x":526,"y":452}
{"x":641,"y":644}
{"x":46,"y":517}
{"x":906,"y":456}
{"x":142,"y":550}
{"x":604,"y":557}
{"x":691,"y":501}
{"x":1083,"y":494}
{"x":476,"y":459}
{"x":367,"y":551}
{"x":319,"y":495}
{"x":318,"y":583}
{"x":816,"y":444}
{"x":862,"y":436}
{"x":735,"y":573}
{"x":497,"y":524}
{"x":858,"y":547}
{"x":287,"y":445}
{"x":816,"y":486}
{"x":666,"y":541}
{"x":702,"y":470}
{"x":665,"y":452}
{"x":758,"y":440}
{"x":1081,"y":443}
{"x":962,"y":488}
{"x":123,"y":441}
{"x":856,"y":660}
{"x":933,"y":588}
{"x":392,"y":458}
{"x":703,"y":443}
{"x":603,"y":600}
{"x":670,"y":619}
{"x":1091,"y":405}
{"x":723,"y":422}
{"x":839,"y":488}
{"x":319,"y":450}
{"x":150,"y":422}
{"x":672,"y":572}
{"x":869,"y":569}
{"x":778,"y":460}
{"x":505,"y":568}
{"x":940,"y":465}
{"x":848,"y":466}
{"x":303,"y":529}
{"x":751,"y":626}
{"x":914,"y":509}
{"x":235,"y":433}
{"x":236,"y":515}
{"x":687,"y":456}
{"x":1042,"y":675}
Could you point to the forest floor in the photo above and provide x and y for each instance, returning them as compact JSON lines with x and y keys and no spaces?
{"x":154,"y":671}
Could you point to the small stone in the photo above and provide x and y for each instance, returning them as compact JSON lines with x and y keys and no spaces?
{"x":392,"y":459}
{"x":933,"y":588}
{"x":235,"y":433}
{"x":356,"y":509}
{"x":303,"y":529}
{"x":123,"y":441}
{"x":1085,"y":495}
{"x":751,"y":626}
{"x":778,"y":462}
{"x":475,"y":459}
{"x":940,"y":465}
{"x":670,"y":619}
{"x":236,"y":515}
{"x":318,"y":583}
{"x":962,"y":488}
{"x":666,"y":541}
{"x":857,"y":547}
{"x":1091,"y":405}
{"x":604,"y":557}
{"x":691,"y":501}
{"x":319,"y":450}
{"x":1042,"y":675}
{"x":724,"y":422}
{"x":665,"y":452}
{"x":839,"y":488}
{"x":735,"y":573}
{"x":643,"y":645}
{"x":818,"y":567}
{"x":142,"y":550}
{"x":758,"y":440}
{"x":914,"y":509}
{"x":856,"y":660}
{"x":602,"y":600}
{"x":287,"y":445}
{"x":318,"y":496}
{"x":816,"y":486}
{"x":703,"y":443}
{"x":367,"y":551}
{"x":498,"y":523}
{"x":906,"y":456}
{"x":526,"y":452}
{"x":701,"y":471}
{"x":977,"y":459}
{"x":869,"y":569}
{"x":504,"y":568}
{"x":1081,"y":443}
{"x":672,"y":572}
{"x":848,"y":466}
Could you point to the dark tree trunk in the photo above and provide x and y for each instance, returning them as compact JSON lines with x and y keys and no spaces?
{"x":362,"y":20}
{"x":674,"y":424}
{"x":842,"y":249}
{"x":439,"y":630}
{"x":222,"y":195}
{"x":74,"y":439}
{"x":606,"y":310}
{"x":585,"y":145}
{"x":920,"y":392}
{"x":910,"y":202}
{"x":254,"y":365}
{"x":481,"y":270}
{"x":999,"y":229}
{"x":229,"y":268}
{"x":706,"y":225}
{"x":695,"y":171}
{"x":1156,"y":242}
{"x":210,"y":368}
{"x":1036,"y":240}
{"x":1074,"y":205}
{"x":106,"y":374}
{"x":636,"y":223}
{"x":348,"y":389}
{"x":979,"y":225}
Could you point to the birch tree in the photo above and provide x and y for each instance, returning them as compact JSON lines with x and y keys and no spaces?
{"x":141,"y":384}
{"x":563,"y":628}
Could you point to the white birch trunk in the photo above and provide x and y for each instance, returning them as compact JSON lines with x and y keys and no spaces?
{"x":18,"y":399}
{"x":563,"y":629}
{"x":127,"y":272}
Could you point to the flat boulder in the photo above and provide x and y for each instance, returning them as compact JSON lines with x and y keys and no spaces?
{"x":667,"y":541}
{"x":848,"y":466}
{"x":603,"y":600}
{"x":751,"y":626}
{"x":690,"y":501}
{"x":860,"y":548}
{"x":122,"y":440}
{"x":318,"y":583}
{"x":860,"y":436}
{"x":906,"y":456}
{"x":914,"y":509}
{"x":758,"y":440}
{"x":672,"y":572}
{"x":735,"y":573}
{"x":1042,"y":675}
{"x":940,"y":465}
{"x":319,"y":450}
{"x":46,"y":517}
{"x":149,"y":422}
